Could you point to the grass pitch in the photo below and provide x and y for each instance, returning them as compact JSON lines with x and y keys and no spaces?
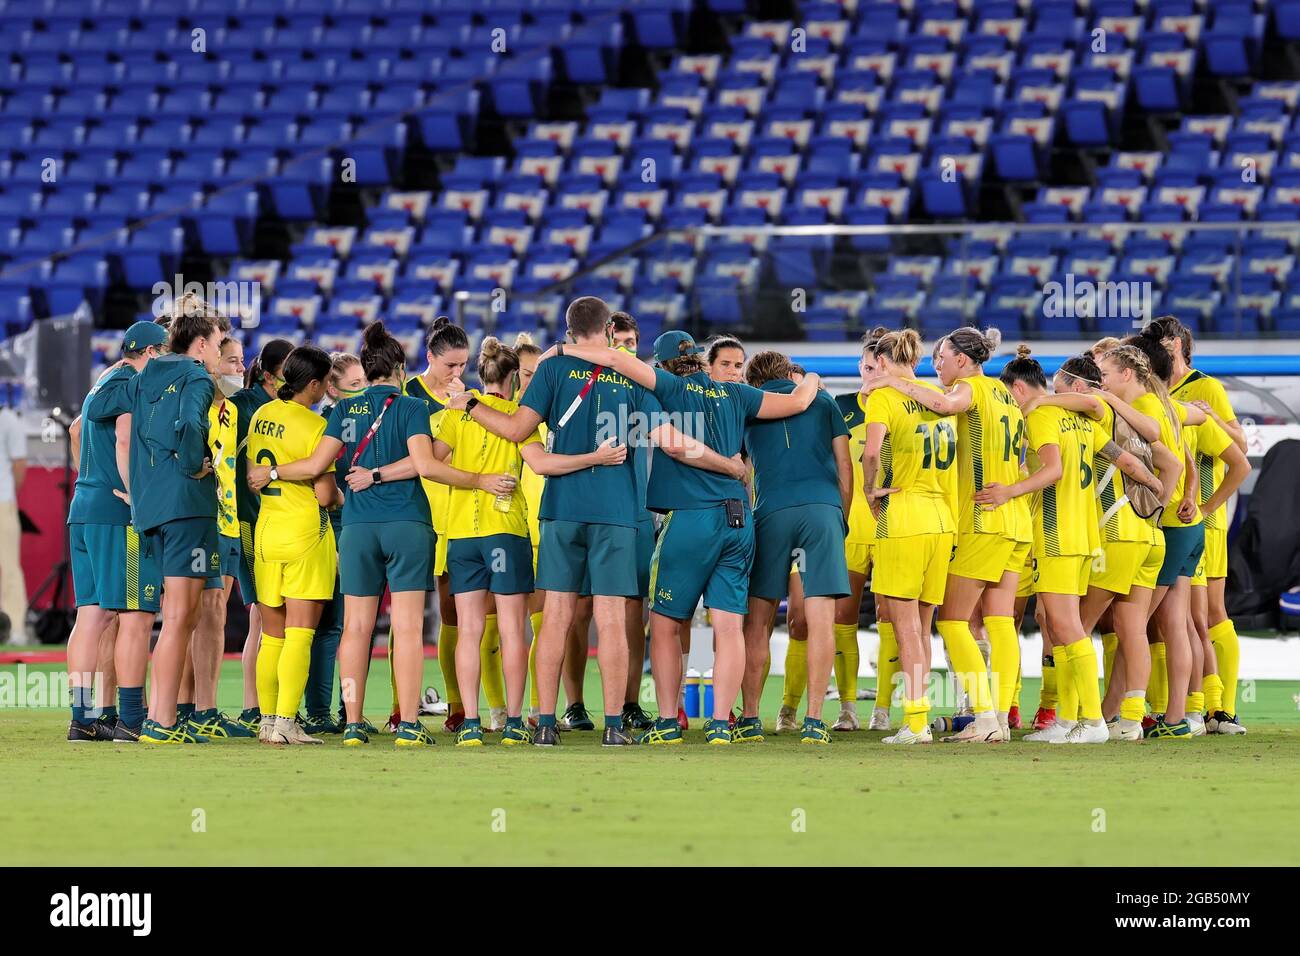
{"x":1215,"y":801}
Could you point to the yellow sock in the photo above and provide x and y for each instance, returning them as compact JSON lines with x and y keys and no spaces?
{"x":1047,"y":696}
{"x":1015,"y":697}
{"x":1213,"y":688}
{"x":491,"y":674}
{"x":532,"y":673}
{"x":1083,"y":674}
{"x":1004,"y":659}
{"x":968,"y":662}
{"x":535,"y":619}
{"x":1158,"y":686}
{"x":268,"y":662}
{"x":846,"y":661}
{"x":887,"y":666}
{"x":1196,"y":702}
{"x":1133,"y":706}
{"x":295,"y":662}
{"x":1109,"y":645}
{"x":1067,"y":705}
{"x":916,"y":714}
{"x":447,"y":661}
{"x":1227,"y":650}
{"x":796,"y":673}
{"x":767,"y":669}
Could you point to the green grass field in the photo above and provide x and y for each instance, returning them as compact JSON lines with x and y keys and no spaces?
{"x":1215,"y":801}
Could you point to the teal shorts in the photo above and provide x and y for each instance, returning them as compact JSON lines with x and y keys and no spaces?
{"x":500,"y":563}
{"x":114,"y":568}
{"x":237,"y":561}
{"x":393,"y":554}
{"x":699,"y":555}
{"x":809,"y":538}
{"x":568,"y":550}
{"x":645,"y":552}
{"x":187,"y":548}
{"x":1183,"y":550}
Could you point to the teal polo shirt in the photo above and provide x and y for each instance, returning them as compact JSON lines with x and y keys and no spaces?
{"x":713,"y":413}
{"x":349,"y":422}
{"x":793,"y":460}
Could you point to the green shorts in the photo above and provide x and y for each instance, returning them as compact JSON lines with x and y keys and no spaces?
{"x":570,"y":549}
{"x":187,"y":548}
{"x":395,"y":554}
{"x":645,"y":549}
{"x":809,"y":537}
{"x":500,"y":563}
{"x":699,"y":555}
{"x":114,"y":568}
{"x":1183,"y":550}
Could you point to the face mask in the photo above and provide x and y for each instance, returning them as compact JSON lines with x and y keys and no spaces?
{"x":230,"y":384}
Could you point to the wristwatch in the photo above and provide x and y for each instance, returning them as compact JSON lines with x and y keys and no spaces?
{"x":375,"y":476}
{"x":473,"y":400}
{"x":275,"y":473}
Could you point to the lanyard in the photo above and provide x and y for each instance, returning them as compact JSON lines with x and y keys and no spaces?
{"x":581,"y":395}
{"x":374,"y":427}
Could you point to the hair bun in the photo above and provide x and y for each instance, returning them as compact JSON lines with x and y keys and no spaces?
{"x":374,"y":333}
{"x":992,"y":338}
{"x":523,"y":338}
{"x":490,"y":347}
{"x":440,"y":322}
{"x":1023,"y":351}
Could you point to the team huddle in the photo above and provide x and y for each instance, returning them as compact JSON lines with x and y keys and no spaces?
{"x":583,"y":485}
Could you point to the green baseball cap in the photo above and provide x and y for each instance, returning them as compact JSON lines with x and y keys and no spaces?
{"x":142,"y":335}
{"x":675,"y":344}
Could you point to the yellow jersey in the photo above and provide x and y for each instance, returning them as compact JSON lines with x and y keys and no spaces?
{"x":1198,"y":387}
{"x":439,"y":495}
{"x":918,"y":457}
{"x":990,"y":446}
{"x":862,"y":523}
{"x":532,"y":484}
{"x":1124,"y":524}
{"x":1207,"y":441}
{"x":223,"y":443}
{"x":473,"y":513}
{"x":291,"y":521}
{"x":1149,"y":404}
{"x":1065,"y":523}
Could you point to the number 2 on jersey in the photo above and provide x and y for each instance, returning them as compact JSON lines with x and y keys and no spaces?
{"x":265,"y":456}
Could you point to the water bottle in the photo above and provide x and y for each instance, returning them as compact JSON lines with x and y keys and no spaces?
{"x":951,"y":725}
{"x":502,"y":503}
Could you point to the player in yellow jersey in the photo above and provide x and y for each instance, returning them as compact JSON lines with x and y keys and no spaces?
{"x":1194,"y":386}
{"x":909,"y":466}
{"x":295,"y":561}
{"x":857,"y":553}
{"x":1132,"y":548}
{"x":1211,"y":450}
{"x":1184,"y":542}
{"x":532,"y":484}
{"x":447,"y":354}
{"x":204,"y":667}
{"x":992,"y":540}
{"x":1063,"y":446}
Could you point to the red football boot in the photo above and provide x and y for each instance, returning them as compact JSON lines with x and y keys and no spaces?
{"x":1045,"y":717}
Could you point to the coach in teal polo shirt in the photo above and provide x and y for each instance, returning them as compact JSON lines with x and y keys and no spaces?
{"x":803,"y":483}
{"x":706,"y":546}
